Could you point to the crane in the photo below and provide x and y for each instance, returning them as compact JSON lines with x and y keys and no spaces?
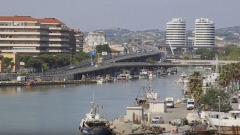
{"x":171,"y":47}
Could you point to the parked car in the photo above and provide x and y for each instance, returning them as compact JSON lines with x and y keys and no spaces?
{"x":179,"y":122}
{"x":234,"y":100}
{"x":157,"y":119}
{"x":194,"y":122}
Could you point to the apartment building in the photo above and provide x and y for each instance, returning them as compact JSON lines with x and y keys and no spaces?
{"x":176,"y":32}
{"x":204,"y":32}
{"x":95,"y":38}
{"x":28,"y":35}
{"x":79,"y":39}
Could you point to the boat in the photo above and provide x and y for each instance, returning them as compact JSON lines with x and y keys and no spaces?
{"x":229,"y":123}
{"x":94,"y":123}
{"x":143,"y":74}
{"x":183,"y":78}
{"x":100,"y":81}
{"x":146,"y":95}
{"x":124,"y":76}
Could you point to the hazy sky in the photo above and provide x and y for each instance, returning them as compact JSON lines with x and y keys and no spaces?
{"x":88,"y":15}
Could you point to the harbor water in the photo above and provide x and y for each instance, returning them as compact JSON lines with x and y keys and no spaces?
{"x":59,"y":109}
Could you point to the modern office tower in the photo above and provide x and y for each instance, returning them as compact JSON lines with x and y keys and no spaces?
{"x":176,"y":32}
{"x":28,"y":35}
{"x":204,"y":32}
{"x":95,"y":38}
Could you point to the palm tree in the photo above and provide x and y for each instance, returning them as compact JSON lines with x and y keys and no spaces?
{"x":230,"y":75}
{"x":195,"y":86}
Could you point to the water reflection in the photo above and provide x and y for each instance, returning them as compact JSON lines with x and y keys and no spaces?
{"x":15,"y":90}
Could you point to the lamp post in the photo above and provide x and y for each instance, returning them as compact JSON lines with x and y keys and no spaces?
{"x":219,"y":115}
{"x":70,"y":51}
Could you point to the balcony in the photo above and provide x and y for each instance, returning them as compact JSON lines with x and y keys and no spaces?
{"x":22,"y":33}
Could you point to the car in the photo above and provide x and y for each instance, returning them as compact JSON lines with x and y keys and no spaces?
{"x":157,"y":119}
{"x":178,"y":122}
{"x":234,"y":100}
{"x":194,"y":122}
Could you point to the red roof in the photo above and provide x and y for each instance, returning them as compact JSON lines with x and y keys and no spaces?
{"x":16,"y":18}
{"x":50,"y":20}
{"x":29,"y":18}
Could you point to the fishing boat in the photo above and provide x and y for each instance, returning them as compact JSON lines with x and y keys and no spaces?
{"x":143,"y":74}
{"x":95,"y":123}
{"x":183,"y":78}
{"x":229,"y":123}
{"x":146,"y":95}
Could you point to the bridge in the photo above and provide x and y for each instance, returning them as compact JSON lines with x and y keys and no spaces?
{"x":192,"y":47}
{"x":113,"y":65}
{"x":129,"y":60}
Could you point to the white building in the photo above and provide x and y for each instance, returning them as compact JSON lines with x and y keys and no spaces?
{"x":95,"y":38}
{"x":176,"y":32}
{"x":28,"y":35}
{"x":204,"y":32}
{"x":190,"y":41}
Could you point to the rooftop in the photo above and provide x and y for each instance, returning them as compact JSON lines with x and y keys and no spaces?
{"x":29,"y":18}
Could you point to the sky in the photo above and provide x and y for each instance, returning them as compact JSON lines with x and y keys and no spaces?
{"x":90,"y":15}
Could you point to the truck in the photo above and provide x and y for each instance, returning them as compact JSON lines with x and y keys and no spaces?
{"x":190,"y":104}
{"x":21,"y":78}
{"x":170,"y":102}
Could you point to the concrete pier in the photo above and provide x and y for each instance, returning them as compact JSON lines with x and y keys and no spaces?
{"x":119,"y":126}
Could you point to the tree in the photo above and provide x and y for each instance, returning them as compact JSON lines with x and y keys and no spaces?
{"x":81,"y":57}
{"x":230,"y":75}
{"x":206,"y":53}
{"x":7,"y":64}
{"x":195,"y":86}
{"x":103,"y":48}
{"x":35,"y":63}
{"x":210,"y":101}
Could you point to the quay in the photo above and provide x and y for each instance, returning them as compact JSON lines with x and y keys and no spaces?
{"x":119,"y":126}
{"x":36,"y":83}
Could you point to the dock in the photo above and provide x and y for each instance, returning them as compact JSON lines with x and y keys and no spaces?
{"x":37,"y":83}
{"x":119,"y":126}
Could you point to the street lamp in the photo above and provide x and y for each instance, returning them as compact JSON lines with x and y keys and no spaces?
{"x":70,"y":51}
{"x":219,"y":115}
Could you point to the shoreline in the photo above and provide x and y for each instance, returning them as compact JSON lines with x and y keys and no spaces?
{"x":36,"y":83}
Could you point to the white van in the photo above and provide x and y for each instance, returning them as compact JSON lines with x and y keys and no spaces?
{"x":190,"y":104}
{"x":170,"y":102}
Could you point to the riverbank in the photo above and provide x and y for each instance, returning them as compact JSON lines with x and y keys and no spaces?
{"x":35,"y":83}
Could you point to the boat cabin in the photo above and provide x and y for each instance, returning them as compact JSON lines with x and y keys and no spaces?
{"x":234,"y":114}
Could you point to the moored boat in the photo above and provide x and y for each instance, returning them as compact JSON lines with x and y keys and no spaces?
{"x":183,"y":78}
{"x":229,"y":123}
{"x":94,"y":123}
{"x":143,"y":74}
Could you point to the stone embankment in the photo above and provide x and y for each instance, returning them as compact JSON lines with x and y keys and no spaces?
{"x":35,"y":83}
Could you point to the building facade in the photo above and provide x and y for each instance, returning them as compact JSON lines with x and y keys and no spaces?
{"x":95,"y":38}
{"x":28,"y":35}
{"x":204,"y":32}
{"x":79,"y":40}
{"x":176,"y":32}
